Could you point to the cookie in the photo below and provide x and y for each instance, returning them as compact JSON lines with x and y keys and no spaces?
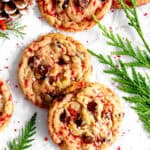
{"x":116,"y":4}
{"x":73,"y":15}
{"x":51,"y":64}
{"x":87,"y":117}
{"x":6,"y":105}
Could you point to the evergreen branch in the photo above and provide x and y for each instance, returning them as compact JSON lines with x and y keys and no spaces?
{"x":135,"y":83}
{"x":142,"y":58}
{"x":144,"y":114}
{"x":25,"y":138}
{"x":4,"y":35}
{"x":16,"y":28}
{"x":142,"y":107}
{"x":132,"y":16}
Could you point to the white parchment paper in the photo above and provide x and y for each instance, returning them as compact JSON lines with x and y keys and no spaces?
{"x":132,"y":135}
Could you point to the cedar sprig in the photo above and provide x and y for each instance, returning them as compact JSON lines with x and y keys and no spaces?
{"x":142,"y":107}
{"x":132,"y":16}
{"x":4,"y":35}
{"x":141,"y":57}
{"x":135,"y":83}
{"x":25,"y":138}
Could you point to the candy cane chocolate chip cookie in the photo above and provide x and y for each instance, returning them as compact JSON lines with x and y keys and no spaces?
{"x":129,"y":3}
{"x":6,"y":104}
{"x":73,"y":15}
{"x":51,"y":64}
{"x":88,"y":117}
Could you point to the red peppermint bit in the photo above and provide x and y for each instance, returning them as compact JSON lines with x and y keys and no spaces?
{"x":6,"y":67}
{"x":94,"y":3}
{"x":73,"y":112}
{"x":1,"y":84}
{"x":145,"y":14}
{"x":15,"y":130}
{"x":58,"y":75}
{"x":40,"y":17}
{"x":112,"y":10}
{"x":83,"y":65}
{"x":118,"y":148}
{"x":3,"y":25}
{"x":110,"y":28}
{"x":82,"y":84}
{"x":46,"y":139}
{"x":10,"y":97}
{"x":26,"y":83}
{"x":123,"y":133}
{"x":59,"y":133}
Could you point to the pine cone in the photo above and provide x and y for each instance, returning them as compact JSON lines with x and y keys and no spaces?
{"x":13,"y":8}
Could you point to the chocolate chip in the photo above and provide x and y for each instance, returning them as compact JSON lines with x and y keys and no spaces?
{"x":63,"y":116}
{"x":61,"y":61}
{"x":32,"y":60}
{"x":65,"y":4}
{"x":101,"y":140}
{"x":43,"y":69}
{"x":82,"y":3}
{"x":92,"y":106}
{"x":42,"y":72}
{"x":88,"y":139}
{"x":78,"y":121}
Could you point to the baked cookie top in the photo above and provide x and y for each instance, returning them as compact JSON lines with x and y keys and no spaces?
{"x":73,"y":15}
{"x":87,"y":117}
{"x":51,"y":64}
{"x":6,"y":104}
{"x":116,"y":4}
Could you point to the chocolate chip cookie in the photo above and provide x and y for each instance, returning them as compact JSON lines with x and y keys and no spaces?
{"x":73,"y":15}
{"x":87,"y":117}
{"x":6,"y":104}
{"x":51,"y":64}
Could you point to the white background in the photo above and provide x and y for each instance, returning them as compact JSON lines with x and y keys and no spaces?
{"x":132,"y":135}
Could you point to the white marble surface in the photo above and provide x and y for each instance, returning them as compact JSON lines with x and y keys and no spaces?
{"x":132,"y":135}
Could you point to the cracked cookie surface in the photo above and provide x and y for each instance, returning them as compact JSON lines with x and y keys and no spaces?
{"x":73,"y":15}
{"x":50,"y":65}
{"x":6,"y":104}
{"x":87,"y":117}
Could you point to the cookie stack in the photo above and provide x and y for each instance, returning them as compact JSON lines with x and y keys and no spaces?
{"x":54,"y":73}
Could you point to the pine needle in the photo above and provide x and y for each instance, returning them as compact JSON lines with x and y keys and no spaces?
{"x":132,"y":16}
{"x":25,"y":138}
{"x":141,"y":57}
{"x":4,"y":35}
